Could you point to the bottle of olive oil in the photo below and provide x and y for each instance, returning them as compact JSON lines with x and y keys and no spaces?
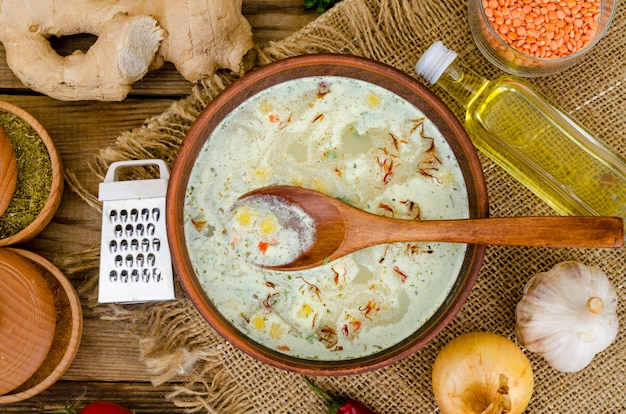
{"x":532,"y":139}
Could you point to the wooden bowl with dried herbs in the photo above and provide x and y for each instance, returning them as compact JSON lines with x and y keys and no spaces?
{"x":33,"y":174}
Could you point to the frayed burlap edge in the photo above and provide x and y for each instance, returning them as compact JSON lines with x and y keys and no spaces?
{"x":374,"y":29}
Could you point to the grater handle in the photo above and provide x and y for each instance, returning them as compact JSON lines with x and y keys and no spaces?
{"x":113,"y":172}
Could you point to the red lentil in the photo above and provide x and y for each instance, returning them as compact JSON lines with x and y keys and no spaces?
{"x":544,"y":28}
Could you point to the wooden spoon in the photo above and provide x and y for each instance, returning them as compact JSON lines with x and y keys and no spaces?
{"x":341,"y":229}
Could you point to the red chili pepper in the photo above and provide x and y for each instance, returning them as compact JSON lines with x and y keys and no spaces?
{"x":339,"y":405}
{"x":99,"y":407}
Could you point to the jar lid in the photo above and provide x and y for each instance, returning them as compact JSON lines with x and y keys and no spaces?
{"x":8,"y":171}
{"x":435,"y":61}
{"x":27,"y":320}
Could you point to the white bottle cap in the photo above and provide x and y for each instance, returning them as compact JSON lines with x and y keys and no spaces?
{"x":435,"y":61}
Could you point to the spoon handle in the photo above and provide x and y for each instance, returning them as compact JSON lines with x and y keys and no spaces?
{"x":512,"y":231}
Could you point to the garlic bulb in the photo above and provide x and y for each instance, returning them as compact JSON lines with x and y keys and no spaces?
{"x":568,"y":315}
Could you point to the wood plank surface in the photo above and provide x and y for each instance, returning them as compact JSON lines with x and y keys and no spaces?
{"x":107,"y":365}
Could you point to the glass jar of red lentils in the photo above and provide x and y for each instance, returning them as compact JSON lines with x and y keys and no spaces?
{"x":538,"y":37}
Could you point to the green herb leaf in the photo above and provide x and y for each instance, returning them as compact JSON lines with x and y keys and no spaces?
{"x":319,"y":5}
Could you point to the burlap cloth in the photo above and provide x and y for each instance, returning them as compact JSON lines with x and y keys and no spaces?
{"x":218,"y":378}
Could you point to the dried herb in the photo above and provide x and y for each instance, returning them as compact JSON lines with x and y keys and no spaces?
{"x":34,"y":175}
{"x":319,"y":5}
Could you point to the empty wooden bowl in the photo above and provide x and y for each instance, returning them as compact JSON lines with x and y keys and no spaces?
{"x":304,"y":67}
{"x":53,"y":198}
{"x":40,"y":324}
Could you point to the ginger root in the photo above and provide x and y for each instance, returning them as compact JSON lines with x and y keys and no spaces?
{"x":205,"y":36}
{"x":133,"y":36}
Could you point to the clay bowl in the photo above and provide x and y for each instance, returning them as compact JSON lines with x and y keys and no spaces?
{"x":305,"y":67}
{"x":48,"y":361}
{"x":56,"y":188}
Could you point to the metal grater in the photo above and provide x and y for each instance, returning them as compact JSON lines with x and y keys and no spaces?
{"x":135,"y":262}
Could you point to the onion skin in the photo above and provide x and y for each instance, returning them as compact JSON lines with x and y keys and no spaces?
{"x":469,"y":370}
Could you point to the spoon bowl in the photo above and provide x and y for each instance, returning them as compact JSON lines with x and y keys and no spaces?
{"x":341,"y":229}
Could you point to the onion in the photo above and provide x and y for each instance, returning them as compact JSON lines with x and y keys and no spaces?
{"x":482,"y":372}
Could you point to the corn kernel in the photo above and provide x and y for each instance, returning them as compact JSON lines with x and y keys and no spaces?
{"x":373,"y":100}
{"x":269,"y":225}
{"x":258,"y":322}
{"x":305,"y":311}
{"x":243,"y":216}
{"x":276,"y":331}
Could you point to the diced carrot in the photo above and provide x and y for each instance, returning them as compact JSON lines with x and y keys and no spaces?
{"x":263,"y":246}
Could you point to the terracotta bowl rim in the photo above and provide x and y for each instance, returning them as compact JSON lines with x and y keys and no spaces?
{"x":324,"y":65}
{"x":56,"y":189}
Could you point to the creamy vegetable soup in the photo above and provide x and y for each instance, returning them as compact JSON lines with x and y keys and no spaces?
{"x":354,"y":141}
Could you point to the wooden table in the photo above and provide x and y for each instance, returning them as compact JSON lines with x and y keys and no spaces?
{"x":106,"y":366}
